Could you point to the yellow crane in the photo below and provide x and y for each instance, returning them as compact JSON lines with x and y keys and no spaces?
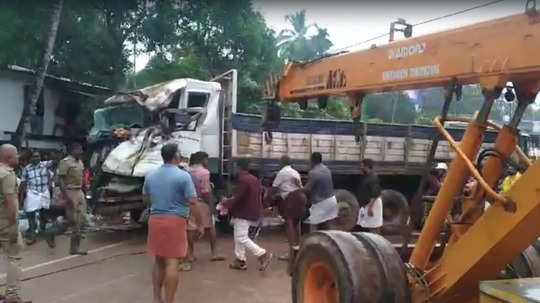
{"x":338,"y":267}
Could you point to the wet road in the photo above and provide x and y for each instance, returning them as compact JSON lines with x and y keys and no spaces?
{"x":117,"y":270}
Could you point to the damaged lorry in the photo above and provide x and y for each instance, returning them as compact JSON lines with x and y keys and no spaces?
{"x":199,"y":115}
{"x":130,"y":130}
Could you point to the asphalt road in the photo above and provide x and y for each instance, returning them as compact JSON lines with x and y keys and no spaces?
{"x":117,"y":270}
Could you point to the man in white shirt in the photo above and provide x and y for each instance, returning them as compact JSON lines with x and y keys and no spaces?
{"x":292,"y":206}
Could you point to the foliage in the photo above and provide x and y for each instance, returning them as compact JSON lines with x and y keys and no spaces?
{"x":159,"y":69}
{"x":296,"y":44}
{"x":211,"y":37}
{"x":91,"y":43}
{"x":389,"y":107}
{"x":24,"y":32}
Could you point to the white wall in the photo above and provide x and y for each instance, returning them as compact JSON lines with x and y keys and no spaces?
{"x":11,"y":103}
{"x":51,"y":102}
{"x":11,"y":107}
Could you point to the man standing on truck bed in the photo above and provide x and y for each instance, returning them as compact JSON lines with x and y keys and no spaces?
{"x":370,"y":215}
{"x":246,"y":209}
{"x":171,"y":193}
{"x":320,"y":187}
{"x":70,"y":178}
{"x":10,"y":238}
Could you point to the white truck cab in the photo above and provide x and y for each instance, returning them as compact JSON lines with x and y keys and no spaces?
{"x":129,"y":132}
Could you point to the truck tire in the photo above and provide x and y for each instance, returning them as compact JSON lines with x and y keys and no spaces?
{"x":348,"y":208}
{"x":135,"y":214}
{"x":526,"y":265}
{"x":395,"y":210}
{"x":336,"y":266}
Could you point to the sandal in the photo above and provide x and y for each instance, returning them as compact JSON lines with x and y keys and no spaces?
{"x":217,"y":258}
{"x":238,"y":265}
{"x":186,"y":266}
{"x":265,"y":260}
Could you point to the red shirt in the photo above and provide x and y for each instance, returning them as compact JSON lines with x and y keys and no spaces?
{"x":246,"y":203}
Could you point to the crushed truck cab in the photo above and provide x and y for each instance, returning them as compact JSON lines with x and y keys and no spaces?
{"x":129,"y":132}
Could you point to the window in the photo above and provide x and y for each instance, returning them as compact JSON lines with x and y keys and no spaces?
{"x":196,"y":99}
{"x":175,"y":102}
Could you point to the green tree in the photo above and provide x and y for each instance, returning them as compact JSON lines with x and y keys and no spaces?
{"x":297,"y":44}
{"x":389,"y":107}
{"x":211,"y":37}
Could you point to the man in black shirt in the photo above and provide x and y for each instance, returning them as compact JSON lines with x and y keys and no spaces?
{"x":368,"y":194}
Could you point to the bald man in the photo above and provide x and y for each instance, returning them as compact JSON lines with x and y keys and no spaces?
{"x":10,"y":239}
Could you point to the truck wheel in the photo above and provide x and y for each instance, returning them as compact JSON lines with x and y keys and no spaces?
{"x":340,"y":267}
{"x":526,"y":265}
{"x":347,"y":210}
{"x":135,"y":214}
{"x":395,"y":211}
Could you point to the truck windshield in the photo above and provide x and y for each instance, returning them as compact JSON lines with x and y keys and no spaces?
{"x":114,"y":117}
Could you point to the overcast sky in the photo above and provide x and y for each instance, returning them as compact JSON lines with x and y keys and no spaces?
{"x":349,"y":21}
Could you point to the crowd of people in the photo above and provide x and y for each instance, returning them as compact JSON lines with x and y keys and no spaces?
{"x":182,"y":209}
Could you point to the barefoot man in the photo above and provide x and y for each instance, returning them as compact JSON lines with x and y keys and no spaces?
{"x":171,"y":192}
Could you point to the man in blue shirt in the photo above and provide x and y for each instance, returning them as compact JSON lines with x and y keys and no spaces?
{"x":171,"y":192}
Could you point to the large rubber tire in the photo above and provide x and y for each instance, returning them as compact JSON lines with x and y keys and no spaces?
{"x":395,"y":207}
{"x":395,"y":212}
{"x":348,"y":208}
{"x":341,"y":267}
{"x":526,"y":265}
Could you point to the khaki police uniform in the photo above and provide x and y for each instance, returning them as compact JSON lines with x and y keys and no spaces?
{"x":10,"y":248}
{"x":70,"y":171}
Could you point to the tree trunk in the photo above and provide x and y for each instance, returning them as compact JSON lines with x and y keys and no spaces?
{"x":30,"y":103}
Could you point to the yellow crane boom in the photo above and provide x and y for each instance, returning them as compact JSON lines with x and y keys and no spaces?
{"x":482,"y":242}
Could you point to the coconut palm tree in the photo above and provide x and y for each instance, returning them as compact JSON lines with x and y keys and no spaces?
{"x":297,"y":44}
{"x":30,"y":104}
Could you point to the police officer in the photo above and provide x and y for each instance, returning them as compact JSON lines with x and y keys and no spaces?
{"x":10,"y":238}
{"x":70,"y":173}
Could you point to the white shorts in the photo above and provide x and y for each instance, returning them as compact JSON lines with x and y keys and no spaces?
{"x":323,"y":211}
{"x":375,"y":221}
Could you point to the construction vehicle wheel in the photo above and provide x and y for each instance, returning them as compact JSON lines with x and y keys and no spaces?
{"x":526,"y":265}
{"x":347,"y":210}
{"x":341,"y":267}
{"x":395,"y":211}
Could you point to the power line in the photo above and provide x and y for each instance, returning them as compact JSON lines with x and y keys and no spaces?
{"x":459,"y":12}
{"x":339,"y":50}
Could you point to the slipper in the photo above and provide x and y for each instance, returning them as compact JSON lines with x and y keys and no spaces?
{"x":284,"y":257}
{"x":217,"y":258}
{"x":238,"y":265}
{"x":185,"y":267}
{"x":265,"y":260}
